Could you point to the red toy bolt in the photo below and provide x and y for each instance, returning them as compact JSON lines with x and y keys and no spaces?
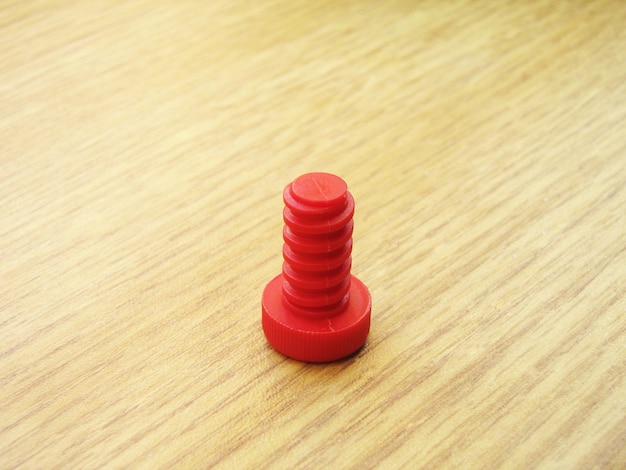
{"x":316,"y":311}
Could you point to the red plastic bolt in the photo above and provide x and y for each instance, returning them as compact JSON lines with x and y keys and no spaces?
{"x":316,"y":311}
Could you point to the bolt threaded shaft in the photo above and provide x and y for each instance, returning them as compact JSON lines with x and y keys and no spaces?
{"x":317,"y":252}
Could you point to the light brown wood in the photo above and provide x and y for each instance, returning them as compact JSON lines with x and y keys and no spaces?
{"x":144,"y":148}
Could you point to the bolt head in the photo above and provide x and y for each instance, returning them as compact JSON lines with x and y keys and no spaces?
{"x":321,"y":339}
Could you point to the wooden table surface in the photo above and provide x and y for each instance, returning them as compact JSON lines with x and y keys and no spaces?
{"x":144,"y":147}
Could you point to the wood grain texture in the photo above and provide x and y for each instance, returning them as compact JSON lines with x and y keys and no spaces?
{"x":144,"y":148}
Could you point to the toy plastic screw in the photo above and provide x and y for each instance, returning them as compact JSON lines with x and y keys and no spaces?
{"x":316,"y":311}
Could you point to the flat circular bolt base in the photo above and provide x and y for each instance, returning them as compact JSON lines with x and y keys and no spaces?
{"x":312,"y":339}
